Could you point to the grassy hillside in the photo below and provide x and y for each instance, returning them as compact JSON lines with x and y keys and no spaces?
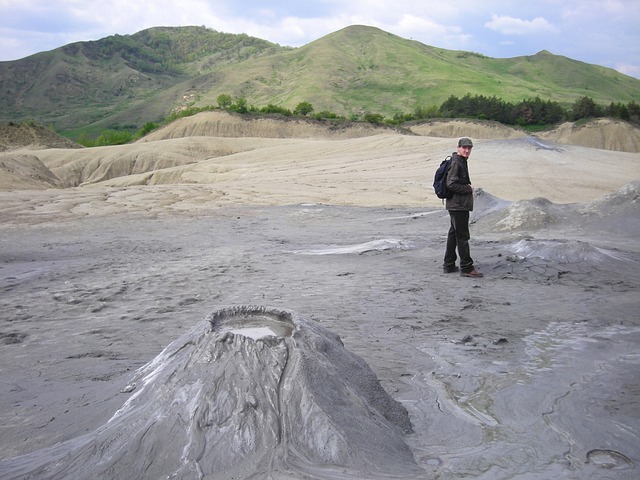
{"x":86,"y":82}
{"x":363,"y":69}
{"x":128,"y":80}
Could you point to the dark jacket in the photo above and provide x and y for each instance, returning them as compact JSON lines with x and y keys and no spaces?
{"x":459,"y":183}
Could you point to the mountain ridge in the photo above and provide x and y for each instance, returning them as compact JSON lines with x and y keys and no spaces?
{"x":125,"y":81}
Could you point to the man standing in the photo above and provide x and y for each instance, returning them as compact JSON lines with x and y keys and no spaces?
{"x":459,"y":206}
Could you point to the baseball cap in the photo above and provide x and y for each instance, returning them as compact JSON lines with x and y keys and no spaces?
{"x":465,"y":142}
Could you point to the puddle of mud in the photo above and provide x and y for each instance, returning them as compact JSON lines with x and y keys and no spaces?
{"x":255,"y":330}
{"x":252,"y":325}
{"x":569,"y":408}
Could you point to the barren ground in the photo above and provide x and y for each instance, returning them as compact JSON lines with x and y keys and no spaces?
{"x":528,"y":373}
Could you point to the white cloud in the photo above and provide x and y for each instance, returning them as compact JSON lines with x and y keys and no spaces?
{"x":430,"y":32}
{"x":295,"y":31}
{"x":631,"y":70}
{"x":588,"y":10}
{"x":515,"y":26}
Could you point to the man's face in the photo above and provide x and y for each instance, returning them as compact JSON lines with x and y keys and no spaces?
{"x":464,"y":151}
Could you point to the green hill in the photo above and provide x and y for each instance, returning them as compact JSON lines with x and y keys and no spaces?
{"x":361,"y":69}
{"x":87,"y":82}
{"x":128,"y":80}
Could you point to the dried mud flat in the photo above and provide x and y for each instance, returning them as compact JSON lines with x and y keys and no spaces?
{"x":531,"y":372}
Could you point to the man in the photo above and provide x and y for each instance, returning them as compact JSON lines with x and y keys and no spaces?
{"x":459,"y":206}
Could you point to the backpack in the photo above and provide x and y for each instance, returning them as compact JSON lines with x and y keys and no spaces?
{"x":440,"y":179}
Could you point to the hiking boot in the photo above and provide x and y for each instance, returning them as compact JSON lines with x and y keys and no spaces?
{"x":450,"y":269}
{"x":473,"y":274}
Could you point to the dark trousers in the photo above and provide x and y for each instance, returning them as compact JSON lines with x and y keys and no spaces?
{"x":458,"y":238}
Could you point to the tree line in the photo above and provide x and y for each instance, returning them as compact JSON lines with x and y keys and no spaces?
{"x":535,"y":111}
{"x":529,"y":114}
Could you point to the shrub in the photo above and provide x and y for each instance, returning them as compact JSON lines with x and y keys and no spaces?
{"x":276,"y":109}
{"x":113,"y":137}
{"x":240,"y":105}
{"x":325,"y":115}
{"x":224,"y":101}
{"x":303,"y":108}
{"x":374,"y":118}
{"x":146,"y":128}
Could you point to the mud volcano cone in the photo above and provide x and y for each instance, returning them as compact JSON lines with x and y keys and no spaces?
{"x":251,"y":393}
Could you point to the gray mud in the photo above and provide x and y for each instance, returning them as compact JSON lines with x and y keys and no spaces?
{"x":251,"y":391}
{"x":531,"y":372}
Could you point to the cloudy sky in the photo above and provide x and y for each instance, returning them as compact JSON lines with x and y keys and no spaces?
{"x":602,"y":32}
